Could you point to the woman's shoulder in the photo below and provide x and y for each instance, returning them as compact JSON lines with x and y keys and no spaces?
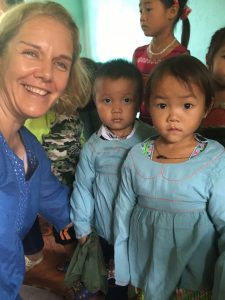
{"x":28,"y":137}
{"x":32,"y":144}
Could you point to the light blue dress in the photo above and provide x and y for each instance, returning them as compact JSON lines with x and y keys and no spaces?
{"x":96,"y":182}
{"x":170,"y":224}
{"x":20,"y":202}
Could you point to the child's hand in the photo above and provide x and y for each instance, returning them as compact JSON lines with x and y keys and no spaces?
{"x":64,"y":234}
{"x":83,"y":240}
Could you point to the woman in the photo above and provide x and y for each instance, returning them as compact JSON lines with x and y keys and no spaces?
{"x":39,"y":50}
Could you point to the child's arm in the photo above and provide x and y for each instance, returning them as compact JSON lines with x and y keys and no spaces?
{"x":216,"y":209}
{"x":82,"y":198}
{"x":124,"y":206}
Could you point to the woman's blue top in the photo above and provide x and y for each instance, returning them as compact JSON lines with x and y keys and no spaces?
{"x":21,"y":199}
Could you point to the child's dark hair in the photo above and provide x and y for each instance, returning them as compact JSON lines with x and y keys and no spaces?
{"x":121,"y":68}
{"x":186,"y":69}
{"x":217,"y":41}
{"x":180,"y":15}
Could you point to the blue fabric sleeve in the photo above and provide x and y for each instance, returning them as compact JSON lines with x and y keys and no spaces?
{"x":54,"y":197}
{"x":122,"y":214}
{"x":216,"y":209}
{"x":82,"y":199}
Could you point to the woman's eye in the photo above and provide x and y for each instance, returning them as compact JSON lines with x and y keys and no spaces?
{"x":30,"y":53}
{"x":188,"y":105}
{"x":61,"y":66}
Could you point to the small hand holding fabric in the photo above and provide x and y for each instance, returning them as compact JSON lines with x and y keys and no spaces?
{"x":64,"y":234}
{"x":83,"y":240}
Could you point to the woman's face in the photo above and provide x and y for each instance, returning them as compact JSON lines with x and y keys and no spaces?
{"x":35,"y":67}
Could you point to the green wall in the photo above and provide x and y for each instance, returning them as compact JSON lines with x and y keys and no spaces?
{"x":206,"y":17}
{"x":110,"y":28}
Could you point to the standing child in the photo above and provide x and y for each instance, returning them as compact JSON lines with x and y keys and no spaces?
{"x":170,"y":209}
{"x":158,"y":19}
{"x":214,"y":125}
{"x":117,"y":93}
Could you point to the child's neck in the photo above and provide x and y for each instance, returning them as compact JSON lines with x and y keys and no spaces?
{"x":166,"y":152}
{"x":161,"y":41}
{"x":161,"y":46}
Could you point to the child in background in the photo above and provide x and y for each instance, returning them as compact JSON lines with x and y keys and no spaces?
{"x":117,"y":93}
{"x":170,"y":209}
{"x":158,"y":19}
{"x":214,"y":125}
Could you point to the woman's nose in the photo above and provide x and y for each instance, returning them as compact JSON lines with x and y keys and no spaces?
{"x":44,"y":71}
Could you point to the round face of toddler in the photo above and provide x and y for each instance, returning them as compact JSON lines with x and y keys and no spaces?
{"x":218,"y":67}
{"x":116,"y":102}
{"x":177,"y":109}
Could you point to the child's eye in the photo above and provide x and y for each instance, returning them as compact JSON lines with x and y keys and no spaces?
{"x":188,"y":105}
{"x":107,"y":101}
{"x":161,"y":105}
{"x":148,"y":8}
{"x":127,"y":100}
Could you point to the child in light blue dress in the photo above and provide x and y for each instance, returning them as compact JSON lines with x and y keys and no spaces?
{"x":170,"y":210}
{"x":117,"y":92}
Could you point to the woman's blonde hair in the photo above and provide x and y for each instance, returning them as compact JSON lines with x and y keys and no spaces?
{"x":77,"y":92}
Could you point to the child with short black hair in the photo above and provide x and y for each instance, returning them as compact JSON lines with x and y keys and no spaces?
{"x":170,"y":209}
{"x":118,"y":90}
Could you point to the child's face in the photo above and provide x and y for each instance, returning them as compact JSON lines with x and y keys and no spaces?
{"x":218,"y":67}
{"x":176,"y":110}
{"x":155,"y":17}
{"x":116,"y":104}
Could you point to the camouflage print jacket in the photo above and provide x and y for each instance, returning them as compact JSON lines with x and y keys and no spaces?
{"x":63,"y":145}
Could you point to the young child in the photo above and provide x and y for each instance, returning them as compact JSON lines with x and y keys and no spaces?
{"x":117,"y":93}
{"x":170,"y":209}
{"x":158,"y":19}
{"x":214,"y":125}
